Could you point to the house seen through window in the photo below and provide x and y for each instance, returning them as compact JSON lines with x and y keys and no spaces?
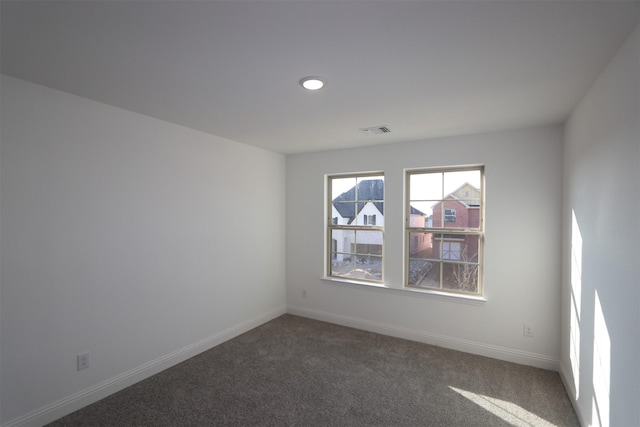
{"x":356,"y":226}
{"x":444,"y":229}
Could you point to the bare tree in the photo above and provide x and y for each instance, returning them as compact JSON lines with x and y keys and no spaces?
{"x":465,"y":275}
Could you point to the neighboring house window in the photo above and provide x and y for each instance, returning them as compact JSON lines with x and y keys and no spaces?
{"x":334,"y":220}
{"x":451,"y":250}
{"x":449,"y":215}
{"x":451,"y":260}
{"x":357,"y":243}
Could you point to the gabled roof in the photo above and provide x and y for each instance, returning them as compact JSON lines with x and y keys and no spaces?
{"x":455,"y":195}
{"x":415,"y":211}
{"x":370,"y":190}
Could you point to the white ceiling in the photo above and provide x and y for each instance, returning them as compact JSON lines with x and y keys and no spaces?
{"x":231,"y":68}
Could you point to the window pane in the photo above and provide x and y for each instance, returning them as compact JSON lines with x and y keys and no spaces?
{"x":368,"y":269}
{"x":421,"y":246}
{"x":460,"y":277}
{"x":421,"y":214}
{"x":455,"y":214}
{"x":455,"y":182}
{"x":341,"y":186}
{"x":356,"y":254}
{"x":424,"y":273}
{"x":344,"y":211}
{"x":343,"y":266}
{"x":425,"y":186}
{"x":368,"y":242}
{"x":370,"y":188}
{"x":456,"y":247}
{"x":341,"y":242}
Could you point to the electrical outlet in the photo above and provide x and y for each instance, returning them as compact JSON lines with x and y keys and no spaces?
{"x":528,"y":330}
{"x":83,"y":360}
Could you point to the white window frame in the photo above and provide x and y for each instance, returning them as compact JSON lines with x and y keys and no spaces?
{"x":446,"y":233}
{"x":354,"y":226}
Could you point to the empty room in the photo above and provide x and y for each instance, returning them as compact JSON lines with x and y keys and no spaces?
{"x":320,"y":212}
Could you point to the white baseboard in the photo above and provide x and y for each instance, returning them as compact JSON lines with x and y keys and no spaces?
{"x":467,"y":346}
{"x":69,"y":404}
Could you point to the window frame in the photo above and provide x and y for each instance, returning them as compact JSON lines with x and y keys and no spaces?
{"x":443,"y":231}
{"x":330,"y":227}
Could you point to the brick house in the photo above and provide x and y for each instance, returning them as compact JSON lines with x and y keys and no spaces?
{"x":419,"y":242}
{"x":459,"y":210}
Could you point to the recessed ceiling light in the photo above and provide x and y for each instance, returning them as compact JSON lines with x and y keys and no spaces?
{"x":312,"y":83}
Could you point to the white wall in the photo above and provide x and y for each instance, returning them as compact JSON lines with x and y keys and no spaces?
{"x":522,"y":252}
{"x":137,"y":240}
{"x":602,"y":190}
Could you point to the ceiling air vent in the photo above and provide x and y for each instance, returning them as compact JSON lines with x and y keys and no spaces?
{"x":376,"y":130}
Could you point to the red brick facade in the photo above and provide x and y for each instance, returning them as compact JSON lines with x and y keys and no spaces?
{"x":459,"y":246}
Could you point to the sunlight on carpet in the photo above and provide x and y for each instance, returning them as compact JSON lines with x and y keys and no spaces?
{"x":510,"y":412}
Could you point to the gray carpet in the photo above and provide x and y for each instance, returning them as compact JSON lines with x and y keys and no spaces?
{"x":294,"y":371}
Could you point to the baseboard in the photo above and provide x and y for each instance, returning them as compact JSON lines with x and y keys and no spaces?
{"x":467,"y":346}
{"x":69,"y":404}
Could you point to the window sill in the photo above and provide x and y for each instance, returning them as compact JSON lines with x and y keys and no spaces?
{"x":355,"y":282}
{"x":432,"y":294}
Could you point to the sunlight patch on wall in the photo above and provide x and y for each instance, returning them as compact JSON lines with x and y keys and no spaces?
{"x":574,"y":348}
{"x":576,"y":301}
{"x":601,"y":367}
{"x":576,"y":261}
{"x":509,"y":412}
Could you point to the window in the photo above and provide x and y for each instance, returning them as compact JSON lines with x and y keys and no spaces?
{"x":449,"y":215}
{"x":356,"y":240}
{"x":445,"y":209}
{"x":451,"y":250}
